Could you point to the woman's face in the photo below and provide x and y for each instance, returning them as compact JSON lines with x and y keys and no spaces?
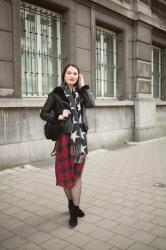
{"x":71,"y":76}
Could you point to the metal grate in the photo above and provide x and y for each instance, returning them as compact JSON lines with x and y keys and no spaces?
{"x":156,"y":72}
{"x":160,"y":185}
{"x":41,"y":49}
{"x":106,"y":63}
{"x":159,"y":8}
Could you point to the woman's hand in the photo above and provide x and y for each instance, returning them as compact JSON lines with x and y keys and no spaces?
{"x":81,"y":81}
{"x":65,"y":114}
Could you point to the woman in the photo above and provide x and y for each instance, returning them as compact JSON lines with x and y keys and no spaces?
{"x":66,"y":105}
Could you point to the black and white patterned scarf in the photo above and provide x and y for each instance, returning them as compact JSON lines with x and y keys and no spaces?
{"x":78,"y":136}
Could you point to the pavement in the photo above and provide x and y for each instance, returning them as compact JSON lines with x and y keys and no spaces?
{"x":123,"y":196}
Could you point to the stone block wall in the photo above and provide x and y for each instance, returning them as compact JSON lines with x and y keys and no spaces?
{"x":132,"y":115}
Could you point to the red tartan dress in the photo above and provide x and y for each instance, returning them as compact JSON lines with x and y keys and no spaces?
{"x":67,"y":172}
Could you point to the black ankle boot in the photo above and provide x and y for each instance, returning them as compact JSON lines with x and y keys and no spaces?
{"x":80,"y":213}
{"x":73,"y":216}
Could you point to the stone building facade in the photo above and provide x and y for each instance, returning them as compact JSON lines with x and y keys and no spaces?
{"x":120,"y":47}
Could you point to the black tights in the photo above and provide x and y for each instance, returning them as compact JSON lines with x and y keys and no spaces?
{"x":74,"y":193}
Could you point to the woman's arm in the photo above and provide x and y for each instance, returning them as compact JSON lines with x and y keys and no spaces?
{"x":53,"y":110}
{"x":48,"y":113}
{"x":87,"y":97}
{"x":85,"y":93}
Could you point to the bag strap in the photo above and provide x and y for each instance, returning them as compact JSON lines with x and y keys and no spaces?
{"x":53,"y":153}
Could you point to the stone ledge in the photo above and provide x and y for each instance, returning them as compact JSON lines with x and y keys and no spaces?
{"x":109,"y":103}
{"x":39,"y":102}
{"x":29,"y":102}
{"x":160,"y":103}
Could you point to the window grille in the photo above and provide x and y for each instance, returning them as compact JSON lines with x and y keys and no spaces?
{"x":41,"y":49}
{"x":156,"y":72}
{"x":106,"y":63}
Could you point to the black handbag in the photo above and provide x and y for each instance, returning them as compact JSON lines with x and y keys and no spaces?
{"x":52,"y":131}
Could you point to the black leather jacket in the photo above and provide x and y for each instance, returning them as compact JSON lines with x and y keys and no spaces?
{"x":57,"y":102}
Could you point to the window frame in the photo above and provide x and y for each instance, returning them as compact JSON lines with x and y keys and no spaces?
{"x":58,"y":56}
{"x":103,"y":73}
{"x":160,"y":72}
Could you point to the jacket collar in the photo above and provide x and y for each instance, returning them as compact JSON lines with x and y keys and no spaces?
{"x":59,"y":91}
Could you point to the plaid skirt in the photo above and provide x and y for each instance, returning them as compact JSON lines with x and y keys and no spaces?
{"x":66,"y":171}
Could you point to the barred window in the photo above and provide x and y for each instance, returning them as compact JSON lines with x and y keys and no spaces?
{"x":156,"y":72}
{"x":106,"y":63}
{"x":41,"y":49}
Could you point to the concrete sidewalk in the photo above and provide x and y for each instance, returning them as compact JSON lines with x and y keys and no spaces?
{"x":123,"y":198}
